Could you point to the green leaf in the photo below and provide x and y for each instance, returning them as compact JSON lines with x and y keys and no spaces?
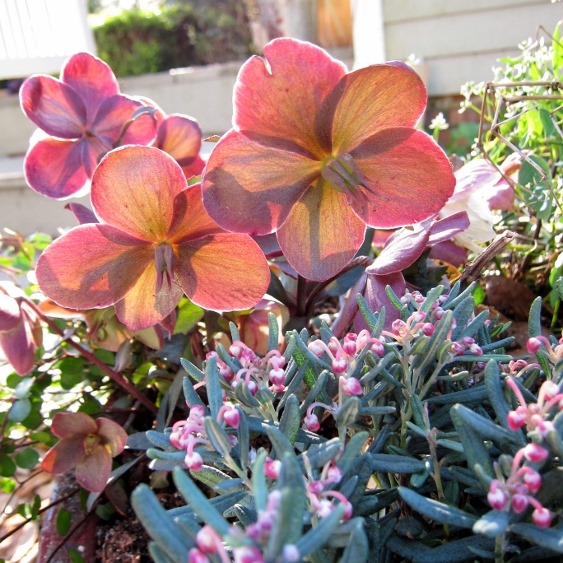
{"x":352,"y":451}
{"x":389,"y":463}
{"x":492,"y":524}
{"x":188,"y":316}
{"x":23,"y":388}
{"x":348,"y":412}
{"x":19,"y":411}
{"x":64,"y":520}
{"x":27,"y":458}
{"x":218,"y":437}
{"x":72,"y":372}
{"x":74,"y":555}
{"x":259,"y":484}
{"x":243,"y":434}
{"x":437,"y":511}
{"x":273,"y":331}
{"x":465,"y":549}
{"x":213,"y":387}
{"x":319,"y":535}
{"x":357,"y":548}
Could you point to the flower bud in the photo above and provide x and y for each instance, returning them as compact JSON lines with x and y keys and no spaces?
{"x":291,"y":553}
{"x":312,"y":422}
{"x":532,"y":480}
{"x":496,"y":496}
{"x":277,"y":376}
{"x":541,"y":517}
{"x":197,"y":556}
{"x":519,"y":503}
{"x":272,"y":468}
{"x":533,"y":345}
{"x":516,"y":419}
{"x":535,"y":453}
{"x":351,"y":385}
{"x":232,"y":418}
{"x":206,"y":539}
{"x":193,"y":461}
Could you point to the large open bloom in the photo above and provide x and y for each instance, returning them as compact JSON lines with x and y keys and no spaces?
{"x":154,"y":242}
{"x":86,"y":444}
{"x":317,"y":153}
{"x":83,"y":116}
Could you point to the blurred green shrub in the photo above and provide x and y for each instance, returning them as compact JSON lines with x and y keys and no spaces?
{"x":188,"y":34}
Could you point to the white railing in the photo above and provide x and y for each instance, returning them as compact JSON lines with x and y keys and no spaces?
{"x":36,"y":36}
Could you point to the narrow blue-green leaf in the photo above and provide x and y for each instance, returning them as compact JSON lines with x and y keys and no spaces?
{"x":348,"y":412}
{"x":273,"y":331}
{"x":315,"y":391}
{"x":217,"y":436}
{"x":357,"y":549}
{"x":318,"y":536}
{"x":199,"y":503}
{"x":474,"y":448}
{"x":394,"y":298}
{"x":484,"y":427}
{"x":291,"y":419}
{"x":192,"y":370}
{"x":235,"y":336}
{"x":471,"y":395}
{"x":159,"y":439}
{"x":535,"y":329}
{"x":259,"y":484}
{"x":475,"y":325}
{"x":320,"y":454}
{"x":353,"y":449}
{"x":492,"y":524}
{"x":389,"y":463}
{"x":437,"y":511}
{"x":279,"y":441}
{"x":417,"y":410}
{"x":158,"y":555}
{"x":212,"y":477}
{"x":213,"y":387}
{"x":169,"y":402}
{"x":369,"y":316}
{"x":232,"y":363}
{"x":552,"y":538}
{"x":462,"y":313}
{"x":192,"y":398}
{"x":457,"y":551}
{"x":244,"y":396}
{"x":455,"y":298}
{"x":158,"y":524}
{"x":429,"y":353}
{"x":243,"y":434}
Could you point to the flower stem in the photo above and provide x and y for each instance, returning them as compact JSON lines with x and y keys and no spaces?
{"x":113,"y":375}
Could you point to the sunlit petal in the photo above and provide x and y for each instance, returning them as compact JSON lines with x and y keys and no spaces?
{"x":91,"y":266}
{"x":321,"y":234}
{"x":279,"y":97}
{"x":53,"y":168}
{"x":64,"y":455}
{"x":407,"y":178}
{"x":133,"y":189}
{"x":370,"y":99}
{"x":73,"y":423}
{"x":91,"y":78}
{"x":114,"y":435}
{"x":250,"y":188}
{"x":53,"y":106}
{"x":180,"y":137}
{"x":223,"y":272}
{"x":143,"y":306}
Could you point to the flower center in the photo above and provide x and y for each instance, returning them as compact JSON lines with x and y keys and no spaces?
{"x":90,"y":443}
{"x":342,"y":172}
{"x":165,"y":262}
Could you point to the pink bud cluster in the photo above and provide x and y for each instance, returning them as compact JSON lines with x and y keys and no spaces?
{"x":517,"y":490}
{"x":256,"y":372}
{"x":534,"y":416}
{"x":189,"y":433}
{"x":467,"y":343}
{"x":403,"y":331}
{"x":555,"y":353}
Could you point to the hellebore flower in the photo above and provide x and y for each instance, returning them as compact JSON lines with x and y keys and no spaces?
{"x":87,"y":444}
{"x":316,"y":153}
{"x":20,"y":329}
{"x":84,"y":116}
{"x":154,"y":242}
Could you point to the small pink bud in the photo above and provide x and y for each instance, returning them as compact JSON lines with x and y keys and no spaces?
{"x":476,"y":350}
{"x":467,"y":341}
{"x":333,"y":474}
{"x":206,"y":540}
{"x":532,"y":480}
{"x":247,"y":554}
{"x":193,"y":461}
{"x":458,"y":348}
{"x":398,"y":326}
{"x":315,"y":487}
{"x":541,"y":517}
{"x":197,"y":556}
{"x":277,"y":376}
{"x":428,"y":329}
{"x":533,"y":345}
{"x":519,"y":503}
{"x":350,"y":385}
{"x":312,"y":422}
{"x":496,"y":497}
{"x":549,"y":389}
{"x":349,"y":346}
{"x":317,"y":347}
{"x":252,"y":387}
{"x":272,"y":468}
{"x":516,"y":419}
{"x":325,"y":508}
{"x":232,"y":418}
{"x":438,"y":313}
{"x":535,"y":453}
{"x":378,"y":349}
{"x":339,"y":366}
{"x":418,"y":316}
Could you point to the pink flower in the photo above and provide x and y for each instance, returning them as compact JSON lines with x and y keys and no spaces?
{"x":20,"y":329}
{"x":317,"y":153}
{"x":87,"y":444}
{"x":83,"y":116}
{"x":154,"y":243}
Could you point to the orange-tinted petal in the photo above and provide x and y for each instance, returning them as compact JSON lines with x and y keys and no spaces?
{"x":223,"y":272}
{"x":407,"y":178}
{"x":54,"y":168}
{"x":321,"y":234}
{"x":94,"y":470}
{"x":73,"y":423}
{"x":370,"y":99}
{"x":114,"y":435}
{"x":143,"y":306}
{"x":133,"y":189}
{"x":91,"y":266}
{"x":53,"y":106}
{"x":64,"y":455}
{"x":191,"y":220}
{"x":279,"y":97}
{"x":250,"y":188}
{"x":180,"y":137}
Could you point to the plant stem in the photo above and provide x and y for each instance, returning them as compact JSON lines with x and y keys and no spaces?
{"x":113,"y":375}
